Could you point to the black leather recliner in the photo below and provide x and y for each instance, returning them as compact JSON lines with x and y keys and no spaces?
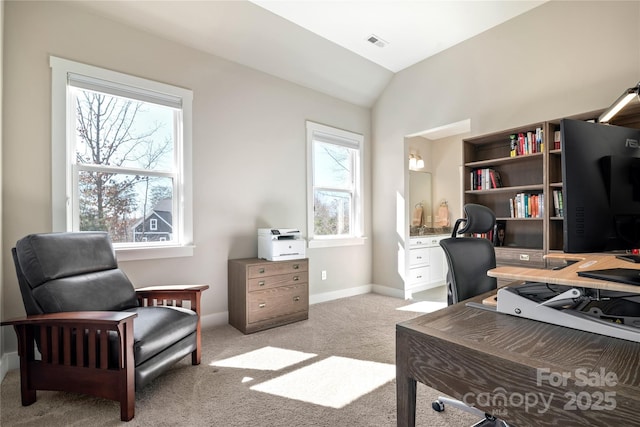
{"x":72,"y":287}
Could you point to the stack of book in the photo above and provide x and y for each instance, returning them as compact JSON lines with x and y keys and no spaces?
{"x":485,"y":179}
{"x":558,"y":204}
{"x":527,"y":205}
{"x":557,"y":145}
{"x":524,"y":143}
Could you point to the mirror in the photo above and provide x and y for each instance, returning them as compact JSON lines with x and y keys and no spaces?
{"x":420,"y":204}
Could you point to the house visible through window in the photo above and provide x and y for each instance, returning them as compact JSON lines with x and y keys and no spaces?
{"x":125,"y":160}
{"x":335,"y":184}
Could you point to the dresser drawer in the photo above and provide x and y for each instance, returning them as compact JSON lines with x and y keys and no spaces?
{"x":276,"y":302}
{"x":266,"y":294}
{"x":275,"y":281}
{"x":523,"y":257}
{"x":272,"y":268}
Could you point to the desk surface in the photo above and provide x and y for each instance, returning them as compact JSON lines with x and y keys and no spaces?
{"x":569,"y":275}
{"x":464,"y":351}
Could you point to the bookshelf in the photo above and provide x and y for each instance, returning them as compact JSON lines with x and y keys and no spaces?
{"x":527,"y":239}
{"x":520,"y":174}
{"x":528,"y":236}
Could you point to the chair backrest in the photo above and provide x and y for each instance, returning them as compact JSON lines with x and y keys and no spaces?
{"x":71,"y":272}
{"x":469,"y":258}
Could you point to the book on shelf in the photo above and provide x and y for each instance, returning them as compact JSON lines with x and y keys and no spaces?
{"x":485,"y":179}
{"x":524,"y":143}
{"x":557,"y":203}
{"x":556,"y":140}
{"x":488,"y":235}
{"x":527,"y":205}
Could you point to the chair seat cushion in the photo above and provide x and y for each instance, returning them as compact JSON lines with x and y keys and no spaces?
{"x":157,"y":328}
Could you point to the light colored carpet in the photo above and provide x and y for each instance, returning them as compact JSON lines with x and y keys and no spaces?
{"x":335,"y":369}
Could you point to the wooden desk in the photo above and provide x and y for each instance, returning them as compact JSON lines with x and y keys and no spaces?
{"x":464,"y":352}
{"x":569,"y":275}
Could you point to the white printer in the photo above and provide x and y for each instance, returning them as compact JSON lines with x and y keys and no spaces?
{"x":280,"y":244}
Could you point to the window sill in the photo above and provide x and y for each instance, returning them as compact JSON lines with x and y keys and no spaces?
{"x":336,"y":242}
{"x":134,"y":254}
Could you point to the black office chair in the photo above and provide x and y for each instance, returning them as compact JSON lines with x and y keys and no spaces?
{"x":469,"y":259}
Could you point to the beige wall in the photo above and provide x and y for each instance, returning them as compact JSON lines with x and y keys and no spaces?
{"x":559,"y":59}
{"x":249,"y":148}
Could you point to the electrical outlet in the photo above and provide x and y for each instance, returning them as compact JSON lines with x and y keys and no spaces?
{"x":324,"y":274}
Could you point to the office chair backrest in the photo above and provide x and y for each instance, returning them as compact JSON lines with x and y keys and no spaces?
{"x":71,"y":272}
{"x":469,"y":258}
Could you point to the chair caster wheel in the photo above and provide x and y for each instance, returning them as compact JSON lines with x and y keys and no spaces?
{"x":437,"y":406}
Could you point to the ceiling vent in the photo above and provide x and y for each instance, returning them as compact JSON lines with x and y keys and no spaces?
{"x":373,"y":39}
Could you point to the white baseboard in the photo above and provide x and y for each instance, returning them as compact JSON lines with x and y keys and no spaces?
{"x":8,"y":362}
{"x":343,"y":293}
{"x":391,"y":292}
{"x":426,"y":286}
{"x":215,"y":319}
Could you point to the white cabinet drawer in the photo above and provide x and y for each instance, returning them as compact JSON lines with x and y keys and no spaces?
{"x":419,"y":256}
{"x":433,"y":240}
{"x":418,"y":275}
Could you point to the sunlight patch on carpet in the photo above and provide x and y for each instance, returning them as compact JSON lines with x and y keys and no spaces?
{"x":333,"y":382}
{"x":265,"y":359}
{"x":424,"y":306}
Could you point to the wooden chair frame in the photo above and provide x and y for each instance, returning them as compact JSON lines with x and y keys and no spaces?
{"x":82,"y":365}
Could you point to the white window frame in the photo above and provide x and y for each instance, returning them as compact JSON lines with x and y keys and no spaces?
{"x":153,"y":224}
{"x":62,"y":176}
{"x":327,"y":134}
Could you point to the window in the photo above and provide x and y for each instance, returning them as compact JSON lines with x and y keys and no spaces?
{"x":121,"y":154}
{"x":334,"y":186}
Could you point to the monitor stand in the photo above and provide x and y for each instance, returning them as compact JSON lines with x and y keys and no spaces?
{"x":554,"y":310}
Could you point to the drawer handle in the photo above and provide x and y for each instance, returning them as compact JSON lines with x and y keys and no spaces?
{"x":296,"y":278}
{"x":419,"y":257}
{"x":296,"y":267}
{"x":524,"y":257}
{"x":261,"y":283}
{"x":296,"y":299}
{"x":261,"y":271}
{"x":418,"y":277}
{"x":262,"y":305}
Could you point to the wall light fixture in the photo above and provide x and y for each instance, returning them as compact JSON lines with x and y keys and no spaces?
{"x":620,"y":103}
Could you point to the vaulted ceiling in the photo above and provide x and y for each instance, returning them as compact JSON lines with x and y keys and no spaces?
{"x":319,"y":44}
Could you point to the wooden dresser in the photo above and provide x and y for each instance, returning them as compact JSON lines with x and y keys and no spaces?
{"x":265,"y":294}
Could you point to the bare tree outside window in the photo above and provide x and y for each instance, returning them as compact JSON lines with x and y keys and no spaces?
{"x":120,"y":143}
{"x":333,"y":189}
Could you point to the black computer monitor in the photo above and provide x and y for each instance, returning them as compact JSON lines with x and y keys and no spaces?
{"x":601,"y":187}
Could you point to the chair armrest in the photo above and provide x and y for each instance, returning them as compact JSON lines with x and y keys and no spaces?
{"x":72,"y":317}
{"x":171,"y":295}
{"x":54,"y":334}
